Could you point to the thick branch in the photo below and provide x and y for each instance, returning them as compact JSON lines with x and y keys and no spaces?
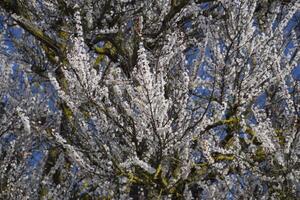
{"x":38,"y":34}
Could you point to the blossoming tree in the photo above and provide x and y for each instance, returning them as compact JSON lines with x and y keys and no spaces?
{"x":159,"y":99}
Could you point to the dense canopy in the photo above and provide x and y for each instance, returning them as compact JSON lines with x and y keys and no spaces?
{"x":149,"y":99}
